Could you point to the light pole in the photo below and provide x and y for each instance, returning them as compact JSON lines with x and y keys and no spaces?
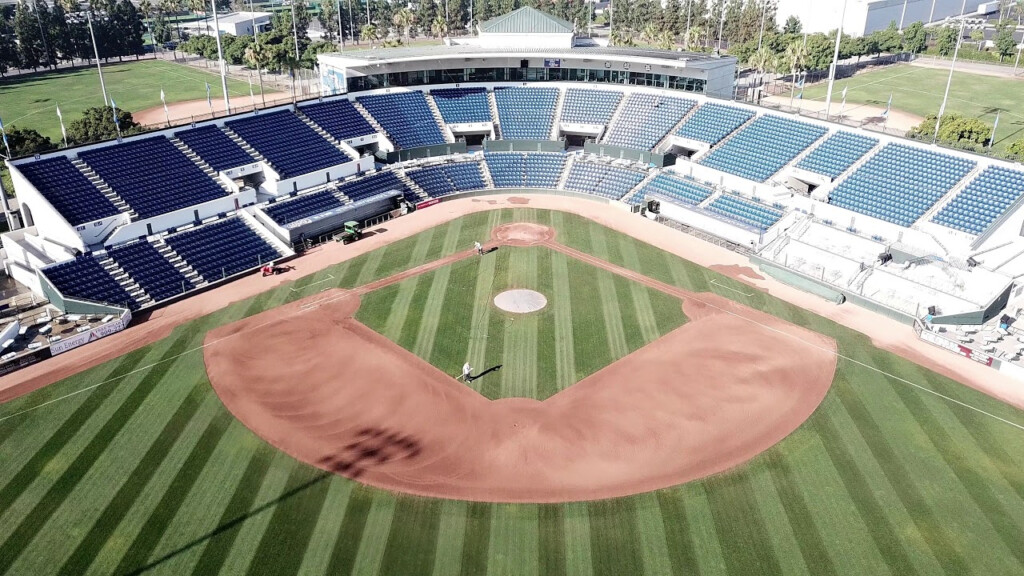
{"x":1017,"y":62}
{"x":835,"y":63}
{"x":903,"y":14}
{"x":764,"y":11}
{"x":256,"y":44}
{"x":96,"y":51}
{"x":341,"y":31}
{"x":949,"y":81}
{"x":220,"y":59}
{"x":721,"y":28}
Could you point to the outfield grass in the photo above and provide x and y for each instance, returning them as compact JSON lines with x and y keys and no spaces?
{"x":447,"y":317}
{"x":919,"y":91}
{"x":147,"y":472}
{"x":31,"y":101}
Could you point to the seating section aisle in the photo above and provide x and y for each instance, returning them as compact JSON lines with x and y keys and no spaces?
{"x":645,"y":119}
{"x":85,"y":278}
{"x":153,"y":176}
{"x":406,"y":117}
{"x":215,"y":147}
{"x":288,"y":211}
{"x":526,"y":113}
{"x":463,"y":105}
{"x":518,"y":170}
{"x":676,"y":190}
{"x":154,"y":273}
{"x":589,"y":106}
{"x":339,"y":118}
{"x":292,"y":146}
{"x":900,"y":183}
{"x":445,"y":179}
{"x":67,"y":189}
{"x":750,"y":213}
{"x":984,"y":200}
{"x":763,"y":148}
{"x":372,"y":185}
{"x":602,"y":179}
{"x":712,"y":122}
{"x":837,"y":153}
{"x":223,"y":248}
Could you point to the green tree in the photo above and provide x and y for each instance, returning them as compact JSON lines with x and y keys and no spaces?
{"x":403,"y":20}
{"x":97,"y":124}
{"x":426,"y":14}
{"x":314,"y":50}
{"x":369,"y":33}
{"x":914,"y":38}
{"x":1016,"y":150}
{"x":978,"y":35}
{"x":26,"y":142}
{"x":29,"y":41}
{"x":955,"y":129}
{"x":439,"y":27}
{"x":671,"y":19}
{"x":792,"y":25}
{"x":1005,"y":44}
{"x":945,"y":40}
{"x":817,"y":53}
{"x":328,"y":19}
{"x":889,"y":40}
{"x":8,"y":47}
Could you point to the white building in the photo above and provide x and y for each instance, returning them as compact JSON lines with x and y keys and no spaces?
{"x":235,"y":23}
{"x":866,"y":16}
{"x":526,"y":28}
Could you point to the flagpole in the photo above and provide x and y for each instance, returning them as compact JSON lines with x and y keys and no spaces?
{"x":63,"y":132}
{"x":949,"y":81}
{"x":842,"y":106}
{"x":7,"y":145}
{"x":167,"y":113}
{"x":835,"y":63}
{"x":992,"y":139}
{"x":117,"y":122}
{"x":220,"y":59}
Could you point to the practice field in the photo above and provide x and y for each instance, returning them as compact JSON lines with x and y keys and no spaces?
{"x":31,"y":101}
{"x":919,"y":91}
{"x":145,"y":471}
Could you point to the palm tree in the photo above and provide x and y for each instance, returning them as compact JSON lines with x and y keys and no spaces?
{"x":404,"y":19}
{"x":369,"y":32}
{"x":666,"y":40}
{"x":796,"y":58}
{"x":260,"y":56}
{"x":439,"y":27}
{"x":620,"y":38}
{"x":693,"y":37}
{"x":762,"y":61}
{"x":650,"y":33}
{"x":1020,"y":11}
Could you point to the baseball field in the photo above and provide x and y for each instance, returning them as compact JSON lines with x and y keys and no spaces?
{"x":154,"y":463}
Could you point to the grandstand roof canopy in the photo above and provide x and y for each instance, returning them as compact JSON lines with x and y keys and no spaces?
{"x":526,"y":20}
{"x":667,"y":57}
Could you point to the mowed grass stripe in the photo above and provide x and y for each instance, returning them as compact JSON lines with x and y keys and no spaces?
{"x":544,"y":342}
{"x":778,"y":534}
{"x":519,"y":358}
{"x":606,"y":288}
{"x":515,"y":540}
{"x":328,"y":524}
{"x":451,"y":532}
{"x":477,"y":540}
{"x":739,"y":525}
{"x":676,"y":527}
{"x":654,"y":547}
{"x":646,"y":317}
{"x":412,"y":540}
{"x":343,"y":556}
{"x":375,"y":534}
{"x":579,"y":553}
{"x":551,"y":545}
{"x":615,"y":542}
{"x":561,"y":296}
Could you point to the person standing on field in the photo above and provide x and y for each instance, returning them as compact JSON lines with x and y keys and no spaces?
{"x":479,"y":248}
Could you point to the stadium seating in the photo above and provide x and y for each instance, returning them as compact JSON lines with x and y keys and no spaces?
{"x":215,"y":147}
{"x":339,"y":118}
{"x":406,"y":117}
{"x":676,"y":190}
{"x":371,"y":185}
{"x":517,"y":170}
{"x":445,"y":179}
{"x":645,"y":119}
{"x":463,"y":105}
{"x":85,"y":278}
{"x":837,"y":153}
{"x":154,"y":273}
{"x":763,"y":148}
{"x":526,"y":113}
{"x":153,"y":176}
{"x":602,"y":179}
{"x":589,"y":106}
{"x":221,"y":249}
{"x":978,"y":205}
{"x":304,"y":206}
{"x":712,"y":122}
{"x":290,"y":145}
{"x":900,"y":183}
{"x":745,"y":211}
{"x":67,"y":189}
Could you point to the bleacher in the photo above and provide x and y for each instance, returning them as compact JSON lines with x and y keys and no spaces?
{"x":293,"y":209}
{"x":763,"y":147}
{"x":154,"y":273}
{"x":900,"y":183}
{"x":215,"y":147}
{"x":837,"y":153}
{"x":462,"y":105}
{"x":67,"y":189}
{"x":85,"y":278}
{"x":223,"y":248}
{"x":520,"y":170}
{"x":984,"y":200}
{"x":745,"y":211}
{"x":526,"y":113}
{"x":681,"y":191}
{"x":290,"y":145}
{"x":583,"y":106}
{"x":602,"y":179}
{"x":645,"y":119}
{"x":406,"y":117}
{"x":712,"y":122}
{"x":445,"y":179}
{"x":339,"y":118}
{"x":153,"y":176}
{"x":371,"y":185}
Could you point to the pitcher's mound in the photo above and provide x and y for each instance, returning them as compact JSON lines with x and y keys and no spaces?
{"x":520,"y":301}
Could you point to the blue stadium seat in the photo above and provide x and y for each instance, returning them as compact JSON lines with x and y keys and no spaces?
{"x":215,"y":147}
{"x":372,"y":185}
{"x":983,"y":201}
{"x":602,"y":179}
{"x":763,"y":148}
{"x":742,"y":210}
{"x":153,"y":176}
{"x":154,"y":273}
{"x":294,"y":209}
{"x":682,"y":191}
{"x":646,"y":119}
{"x":339,"y":118}
{"x":84,"y":278}
{"x":445,"y":179}
{"x":290,"y":145}
{"x":521,"y":170}
{"x":67,"y":189}
{"x":526,"y":113}
{"x":406,"y":117}
{"x":462,"y":105}
{"x":222,"y":248}
{"x":837,"y":153}
{"x":589,"y":106}
{"x":712,"y":122}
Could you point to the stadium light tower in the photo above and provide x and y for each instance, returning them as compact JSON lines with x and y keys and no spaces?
{"x":903,"y":15}
{"x":952,"y":65}
{"x":835,"y":63}
{"x":220,"y":59}
{"x":341,"y":31}
{"x":96,"y":52}
{"x":760,"y":35}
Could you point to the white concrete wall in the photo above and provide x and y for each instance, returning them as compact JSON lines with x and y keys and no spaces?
{"x":182,"y":217}
{"x":491,"y":40}
{"x":866,"y":16}
{"x":714,"y":226}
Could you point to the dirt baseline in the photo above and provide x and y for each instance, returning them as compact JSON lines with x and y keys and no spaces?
{"x":710,"y":395}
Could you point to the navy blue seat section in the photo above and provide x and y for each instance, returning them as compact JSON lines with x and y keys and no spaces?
{"x":447,"y":179}
{"x":645,"y":119}
{"x":154,"y":273}
{"x":215,"y":147}
{"x":745,"y":211}
{"x":589,"y":106}
{"x":602,"y":180}
{"x":984,"y":200}
{"x":288,"y":143}
{"x":221,"y":249}
{"x":837,"y":153}
{"x":676,"y":190}
{"x":462,"y":105}
{"x":67,"y":189}
{"x":339,"y":118}
{"x":303,"y":206}
{"x":85,"y":278}
{"x":712,"y":122}
{"x":525,"y":113}
{"x":520,"y":170}
{"x":371,"y":185}
{"x":406,"y":117}
{"x":153,"y":176}
{"x":763,"y":147}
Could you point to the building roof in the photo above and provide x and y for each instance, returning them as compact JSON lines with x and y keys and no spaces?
{"x":236,"y":17}
{"x":527,"y":20}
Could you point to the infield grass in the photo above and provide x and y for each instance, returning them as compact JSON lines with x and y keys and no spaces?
{"x":143,"y":471}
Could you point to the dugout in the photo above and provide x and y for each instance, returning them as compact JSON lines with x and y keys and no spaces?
{"x":325,"y":223}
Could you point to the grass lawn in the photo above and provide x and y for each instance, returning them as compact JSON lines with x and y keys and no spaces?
{"x":144,"y":471}
{"x":448,"y":316}
{"x":919,"y":91}
{"x":30,"y":101}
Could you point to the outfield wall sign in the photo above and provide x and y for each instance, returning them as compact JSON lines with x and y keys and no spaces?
{"x":955,"y":347}
{"x":101,"y":331}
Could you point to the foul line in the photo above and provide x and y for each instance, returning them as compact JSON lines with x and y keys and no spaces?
{"x":329,"y":277}
{"x":715,"y":282}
